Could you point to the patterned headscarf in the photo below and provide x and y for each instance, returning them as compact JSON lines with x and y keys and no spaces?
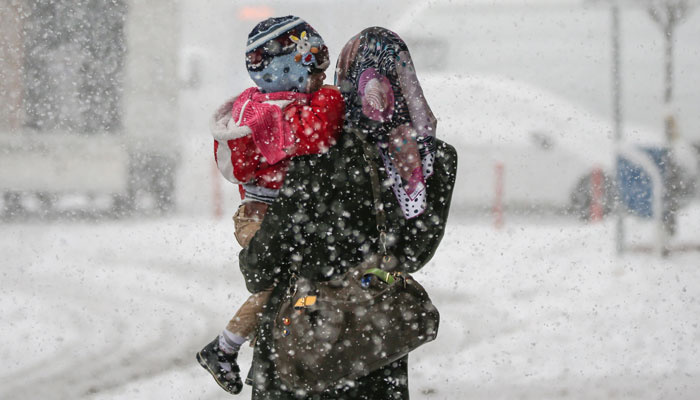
{"x":384,"y":99}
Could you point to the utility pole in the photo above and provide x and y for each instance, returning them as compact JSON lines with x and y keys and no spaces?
{"x":617,"y":126}
{"x":668,"y":14}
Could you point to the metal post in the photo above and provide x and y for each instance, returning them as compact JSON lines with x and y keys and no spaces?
{"x":217,"y":196}
{"x":667,"y":218}
{"x":668,"y":67}
{"x":498,"y":197}
{"x":597,"y":192}
{"x":617,"y":117}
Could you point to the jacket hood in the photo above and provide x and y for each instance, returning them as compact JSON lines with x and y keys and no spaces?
{"x":223,"y":127}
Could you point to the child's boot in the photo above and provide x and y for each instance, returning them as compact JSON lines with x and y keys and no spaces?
{"x":222,"y":366}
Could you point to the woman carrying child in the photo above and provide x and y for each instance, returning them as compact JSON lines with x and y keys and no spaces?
{"x":323,"y":221}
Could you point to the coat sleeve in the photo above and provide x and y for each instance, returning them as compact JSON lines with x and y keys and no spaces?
{"x":267,"y":259}
{"x":245,"y":158}
{"x":414,"y":241}
{"x":316,"y":126}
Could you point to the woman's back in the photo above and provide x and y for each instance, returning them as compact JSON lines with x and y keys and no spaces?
{"x":323,"y":223}
{"x":333,"y":225}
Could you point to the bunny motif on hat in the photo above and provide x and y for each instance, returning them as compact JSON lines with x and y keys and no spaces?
{"x":282,"y":52}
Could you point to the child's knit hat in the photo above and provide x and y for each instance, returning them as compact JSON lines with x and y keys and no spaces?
{"x":282,"y":52}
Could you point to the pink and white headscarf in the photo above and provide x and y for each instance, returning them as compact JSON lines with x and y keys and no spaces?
{"x":383,"y":97}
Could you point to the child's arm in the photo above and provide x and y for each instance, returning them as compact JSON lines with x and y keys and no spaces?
{"x":242,"y":159}
{"x":316,"y":126}
{"x":234,"y":151}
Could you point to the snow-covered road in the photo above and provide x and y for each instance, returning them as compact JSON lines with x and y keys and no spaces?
{"x":540,"y":309}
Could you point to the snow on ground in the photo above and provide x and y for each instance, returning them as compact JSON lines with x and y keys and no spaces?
{"x":541,"y":309}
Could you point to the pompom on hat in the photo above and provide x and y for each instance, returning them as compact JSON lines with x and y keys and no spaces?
{"x":282,"y":52}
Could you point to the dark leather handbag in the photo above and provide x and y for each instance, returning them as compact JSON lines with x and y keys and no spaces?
{"x":328,"y":333}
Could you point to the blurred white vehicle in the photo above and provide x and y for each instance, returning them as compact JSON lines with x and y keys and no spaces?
{"x":545,"y":147}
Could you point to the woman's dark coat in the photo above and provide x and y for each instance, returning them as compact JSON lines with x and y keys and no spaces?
{"x":324,"y":217}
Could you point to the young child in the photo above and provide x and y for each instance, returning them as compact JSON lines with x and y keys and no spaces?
{"x":288,"y":114}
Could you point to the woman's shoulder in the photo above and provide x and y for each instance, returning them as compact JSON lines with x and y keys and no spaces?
{"x":446,"y":148}
{"x":446,"y":155}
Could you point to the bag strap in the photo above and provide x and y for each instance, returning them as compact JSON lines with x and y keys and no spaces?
{"x":370,"y":154}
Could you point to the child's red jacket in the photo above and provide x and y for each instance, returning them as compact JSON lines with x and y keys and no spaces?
{"x":314,"y":119}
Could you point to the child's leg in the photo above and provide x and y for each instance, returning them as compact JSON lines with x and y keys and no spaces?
{"x":219,"y":357}
{"x":242,"y":325}
{"x":247,"y":221}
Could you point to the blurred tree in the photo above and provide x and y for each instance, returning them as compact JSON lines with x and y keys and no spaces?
{"x":10,"y":67}
{"x":73,"y":62}
{"x":668,"y":14}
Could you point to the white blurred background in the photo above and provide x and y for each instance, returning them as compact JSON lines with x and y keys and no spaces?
{"x":117,"y":250}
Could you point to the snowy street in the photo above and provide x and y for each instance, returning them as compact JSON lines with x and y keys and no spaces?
{"x":539,"y":309}
{"x":131,"y":132}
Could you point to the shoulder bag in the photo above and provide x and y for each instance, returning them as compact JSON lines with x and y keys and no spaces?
{"x":326,"y":334}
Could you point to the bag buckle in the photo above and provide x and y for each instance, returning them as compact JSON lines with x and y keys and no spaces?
{"x":303,"y":302}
